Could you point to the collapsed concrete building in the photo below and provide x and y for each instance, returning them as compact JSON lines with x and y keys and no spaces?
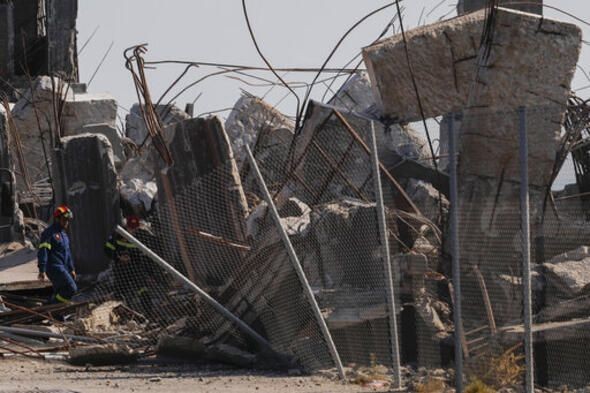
{"x":204,"y":205}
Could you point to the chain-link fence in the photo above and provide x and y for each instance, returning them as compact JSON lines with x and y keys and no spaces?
{"x":220,"y":230}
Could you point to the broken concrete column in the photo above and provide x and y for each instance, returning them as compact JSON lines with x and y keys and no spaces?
{"x":201,"y":195}
{"x":465,"y":6}
{"x":86,"y":179}
{"x":62,"y":53}
{"x":267,"y":131}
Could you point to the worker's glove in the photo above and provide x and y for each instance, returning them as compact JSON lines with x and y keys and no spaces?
{"x":41,"y":277}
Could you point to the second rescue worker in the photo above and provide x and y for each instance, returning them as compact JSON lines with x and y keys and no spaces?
{"x":55,"y":257}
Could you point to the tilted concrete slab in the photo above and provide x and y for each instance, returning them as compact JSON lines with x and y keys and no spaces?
{"x":532,"y":62}
{"x":201,"y":192}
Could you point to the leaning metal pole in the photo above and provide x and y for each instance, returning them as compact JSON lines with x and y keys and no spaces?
{"x":454,"y":226}
{"x":526,"y":248}
{"x":296,"y":264}
{"x":392,"y":309}
{"x":214,"y":303}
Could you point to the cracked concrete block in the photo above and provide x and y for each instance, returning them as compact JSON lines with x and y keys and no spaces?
{"x":88,"y":108}
{"x":86,"y":180}
{"x":444,"y":56}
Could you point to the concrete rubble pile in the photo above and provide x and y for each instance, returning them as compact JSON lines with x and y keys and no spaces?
{"x":204,"y":212}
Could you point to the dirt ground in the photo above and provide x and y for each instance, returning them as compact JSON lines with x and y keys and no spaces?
{"x":30,"y":375}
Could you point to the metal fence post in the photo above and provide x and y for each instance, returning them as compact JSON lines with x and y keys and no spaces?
{"x":392,"y":308}
{"x":296,"y":264}
{"x":454,"y":229}
{"x":179,"y":276}
{"x":526,"y":248}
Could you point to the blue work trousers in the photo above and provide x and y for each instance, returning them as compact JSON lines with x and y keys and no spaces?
{"x":64,"y":286}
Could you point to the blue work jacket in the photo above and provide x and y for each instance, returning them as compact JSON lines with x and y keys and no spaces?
{"x":54,"y":250}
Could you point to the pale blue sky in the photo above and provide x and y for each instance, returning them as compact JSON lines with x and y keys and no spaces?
{"x":290,"y":33}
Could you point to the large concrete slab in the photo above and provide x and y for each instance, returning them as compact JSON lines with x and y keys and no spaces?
{"x":531,"y":63}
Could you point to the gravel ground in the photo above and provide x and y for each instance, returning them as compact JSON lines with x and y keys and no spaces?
{"x":28,"y":375}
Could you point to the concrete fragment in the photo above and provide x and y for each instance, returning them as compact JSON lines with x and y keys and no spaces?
{"x":135,"y":125}
{"x":87,"y":182}
{"x":356,"y":96}
{"x":444,"y":63}
{"x":568,"y":274}
{"x":100,"y":319}
{"x":267,"y":131}
{"x":102,"y":355}
{"x":427,"y":198}
{"x":88,"y":108}
{"x":138,"y":184}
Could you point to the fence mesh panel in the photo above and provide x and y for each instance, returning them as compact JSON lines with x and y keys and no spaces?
{"x":324,"y":192}
{"x":328,"y":190}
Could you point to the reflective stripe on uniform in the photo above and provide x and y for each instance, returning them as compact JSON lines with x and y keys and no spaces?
{"x":45,"y":245}
{"x":110,"y":246}
{"x":125,"y":244}
{"x":142,"y":291}
{"x":61,"y":299}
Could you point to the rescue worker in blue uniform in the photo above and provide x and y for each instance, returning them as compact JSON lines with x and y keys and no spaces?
{"x":55,"y":257}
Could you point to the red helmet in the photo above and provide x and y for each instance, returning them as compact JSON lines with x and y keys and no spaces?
{"x":132,"y":222}
{"x":63,"y":211}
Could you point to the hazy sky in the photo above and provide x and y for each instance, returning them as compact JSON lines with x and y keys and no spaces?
{"x":290,"y":33}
